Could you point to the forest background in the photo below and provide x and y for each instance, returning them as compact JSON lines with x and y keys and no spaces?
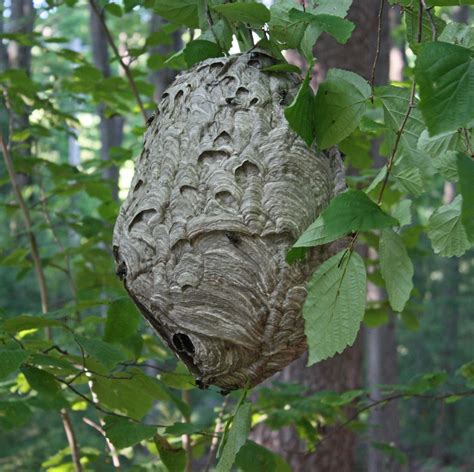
{"x":85,"y":384}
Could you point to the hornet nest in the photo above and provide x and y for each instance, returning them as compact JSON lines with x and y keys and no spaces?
{"x":221,"y":191}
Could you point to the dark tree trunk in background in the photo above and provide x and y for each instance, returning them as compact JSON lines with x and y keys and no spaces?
{"x":343,"y":372}
{"x":111,"y":129}
{"x":22,"y":18}
{"x":162,"y":78}
{"x":3,"y":49}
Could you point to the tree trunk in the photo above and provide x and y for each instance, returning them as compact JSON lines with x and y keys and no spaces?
{"x":162,"y":78}
{"x":111,"y":129}
{"x":342,"y":372}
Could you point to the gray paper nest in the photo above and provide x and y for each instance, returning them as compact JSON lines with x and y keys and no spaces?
{"x":221,"y":191}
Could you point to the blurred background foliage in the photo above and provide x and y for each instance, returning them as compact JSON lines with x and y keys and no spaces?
{"x":74,"y":126}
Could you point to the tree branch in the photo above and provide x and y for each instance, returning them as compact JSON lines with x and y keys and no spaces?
{"x":43,"y":287}
{"x":117,"y":54}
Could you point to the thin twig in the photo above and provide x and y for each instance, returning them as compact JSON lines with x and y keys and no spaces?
{"x":100,"y":429}
{"x":215,"y":439}
{"x":377,"y":49}
{"x":434,"y":31}
{"x":186,"y":438}
{"x":124,"y":66}
{"x":399,"y":134}
{"x":43,"y":288}
{"x":391,"y":398}
{"x":469,"y":149}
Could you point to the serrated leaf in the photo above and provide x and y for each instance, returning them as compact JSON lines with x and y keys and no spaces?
{"x":350,"y":211}
{"x":123,"y":320}
{"x":445,"y":74}
{"x":465,"y":166}
{"x":10,"y":360}
{"x":396,"y":268}
{"x":236,"y":438}
{"x":301,"y":111}
{"x":184,"y":12}
{"x":339,"y":106}
{"x":252,"y":13}
{"x":123,"y":433}
{"x":335,"y":305}
{"x":446,"y":232}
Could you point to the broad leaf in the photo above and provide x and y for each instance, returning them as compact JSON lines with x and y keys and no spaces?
{"x":236,"y":438}
{"x":301,"y":111}
{"x":252,"y":13}
{"x":199,"y":50}
{"x":402,"y":212}
{"x":184,"y":12}
{"x":335,"y":305}
{"x":337,"y":27}
{"x":105,"y":353}
{"x":445,"y":74}
{"x":24,"y":322}
{"x":123,"y":320}
{"x":350,"y":211}
{"x":123,"y":433}
{"x":447,"y":233}
{"x":10,"y":360}
{"x":255,"y":458}
{"x":397,"y":269}
{"x":458,"y":33}
{"x":465,"y":167}
{"x":173,"y":458}
{"x":339,"y":106}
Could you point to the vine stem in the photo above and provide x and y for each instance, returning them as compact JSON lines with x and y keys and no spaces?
{"x":43,"y":288}
{"x":126,"y":69}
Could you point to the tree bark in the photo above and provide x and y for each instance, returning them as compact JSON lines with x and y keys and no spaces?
{"x":342,"y":372}
{"x":111,"y":129}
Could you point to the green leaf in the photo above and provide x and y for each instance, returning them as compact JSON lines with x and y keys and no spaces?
{"x":402,"y":212}
{"x":131,"y":393}
{"x":335,"y":305}
{"x":46,"y":385}
{"x":236,"y":438}
{"x":337,"y":27}
{"x":339,"y":106}
{"x":391,"y":451}
{"x":180,"y":378}
{"x":282,"y":68}
{"x":445,"y":74}
{"x":105,"y":353}
{"x":10,"y":360}
{"x":252,"y":13}
{"x":397,"y":269}
{"x":465,"y":167}
{"x":184,"y":12}
{"x":447,"y":233}
{"x":301,"y":111}
{"x":350,"y":211}
{"x":174,"y":459}
{"x":178,"y":429}
{"x":446,"y":165}
{"x":13,"y":414}
{"x":255,"y":458}
{"x":199,"y":50}
{"x":113,"y":9}
{"x":123,"y":433}
{"x":446,"y":3}
{"x":123,"y":320}
{"x":458,"y":33}
{"x":374,"y":317}
{"x":24,"y":322}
